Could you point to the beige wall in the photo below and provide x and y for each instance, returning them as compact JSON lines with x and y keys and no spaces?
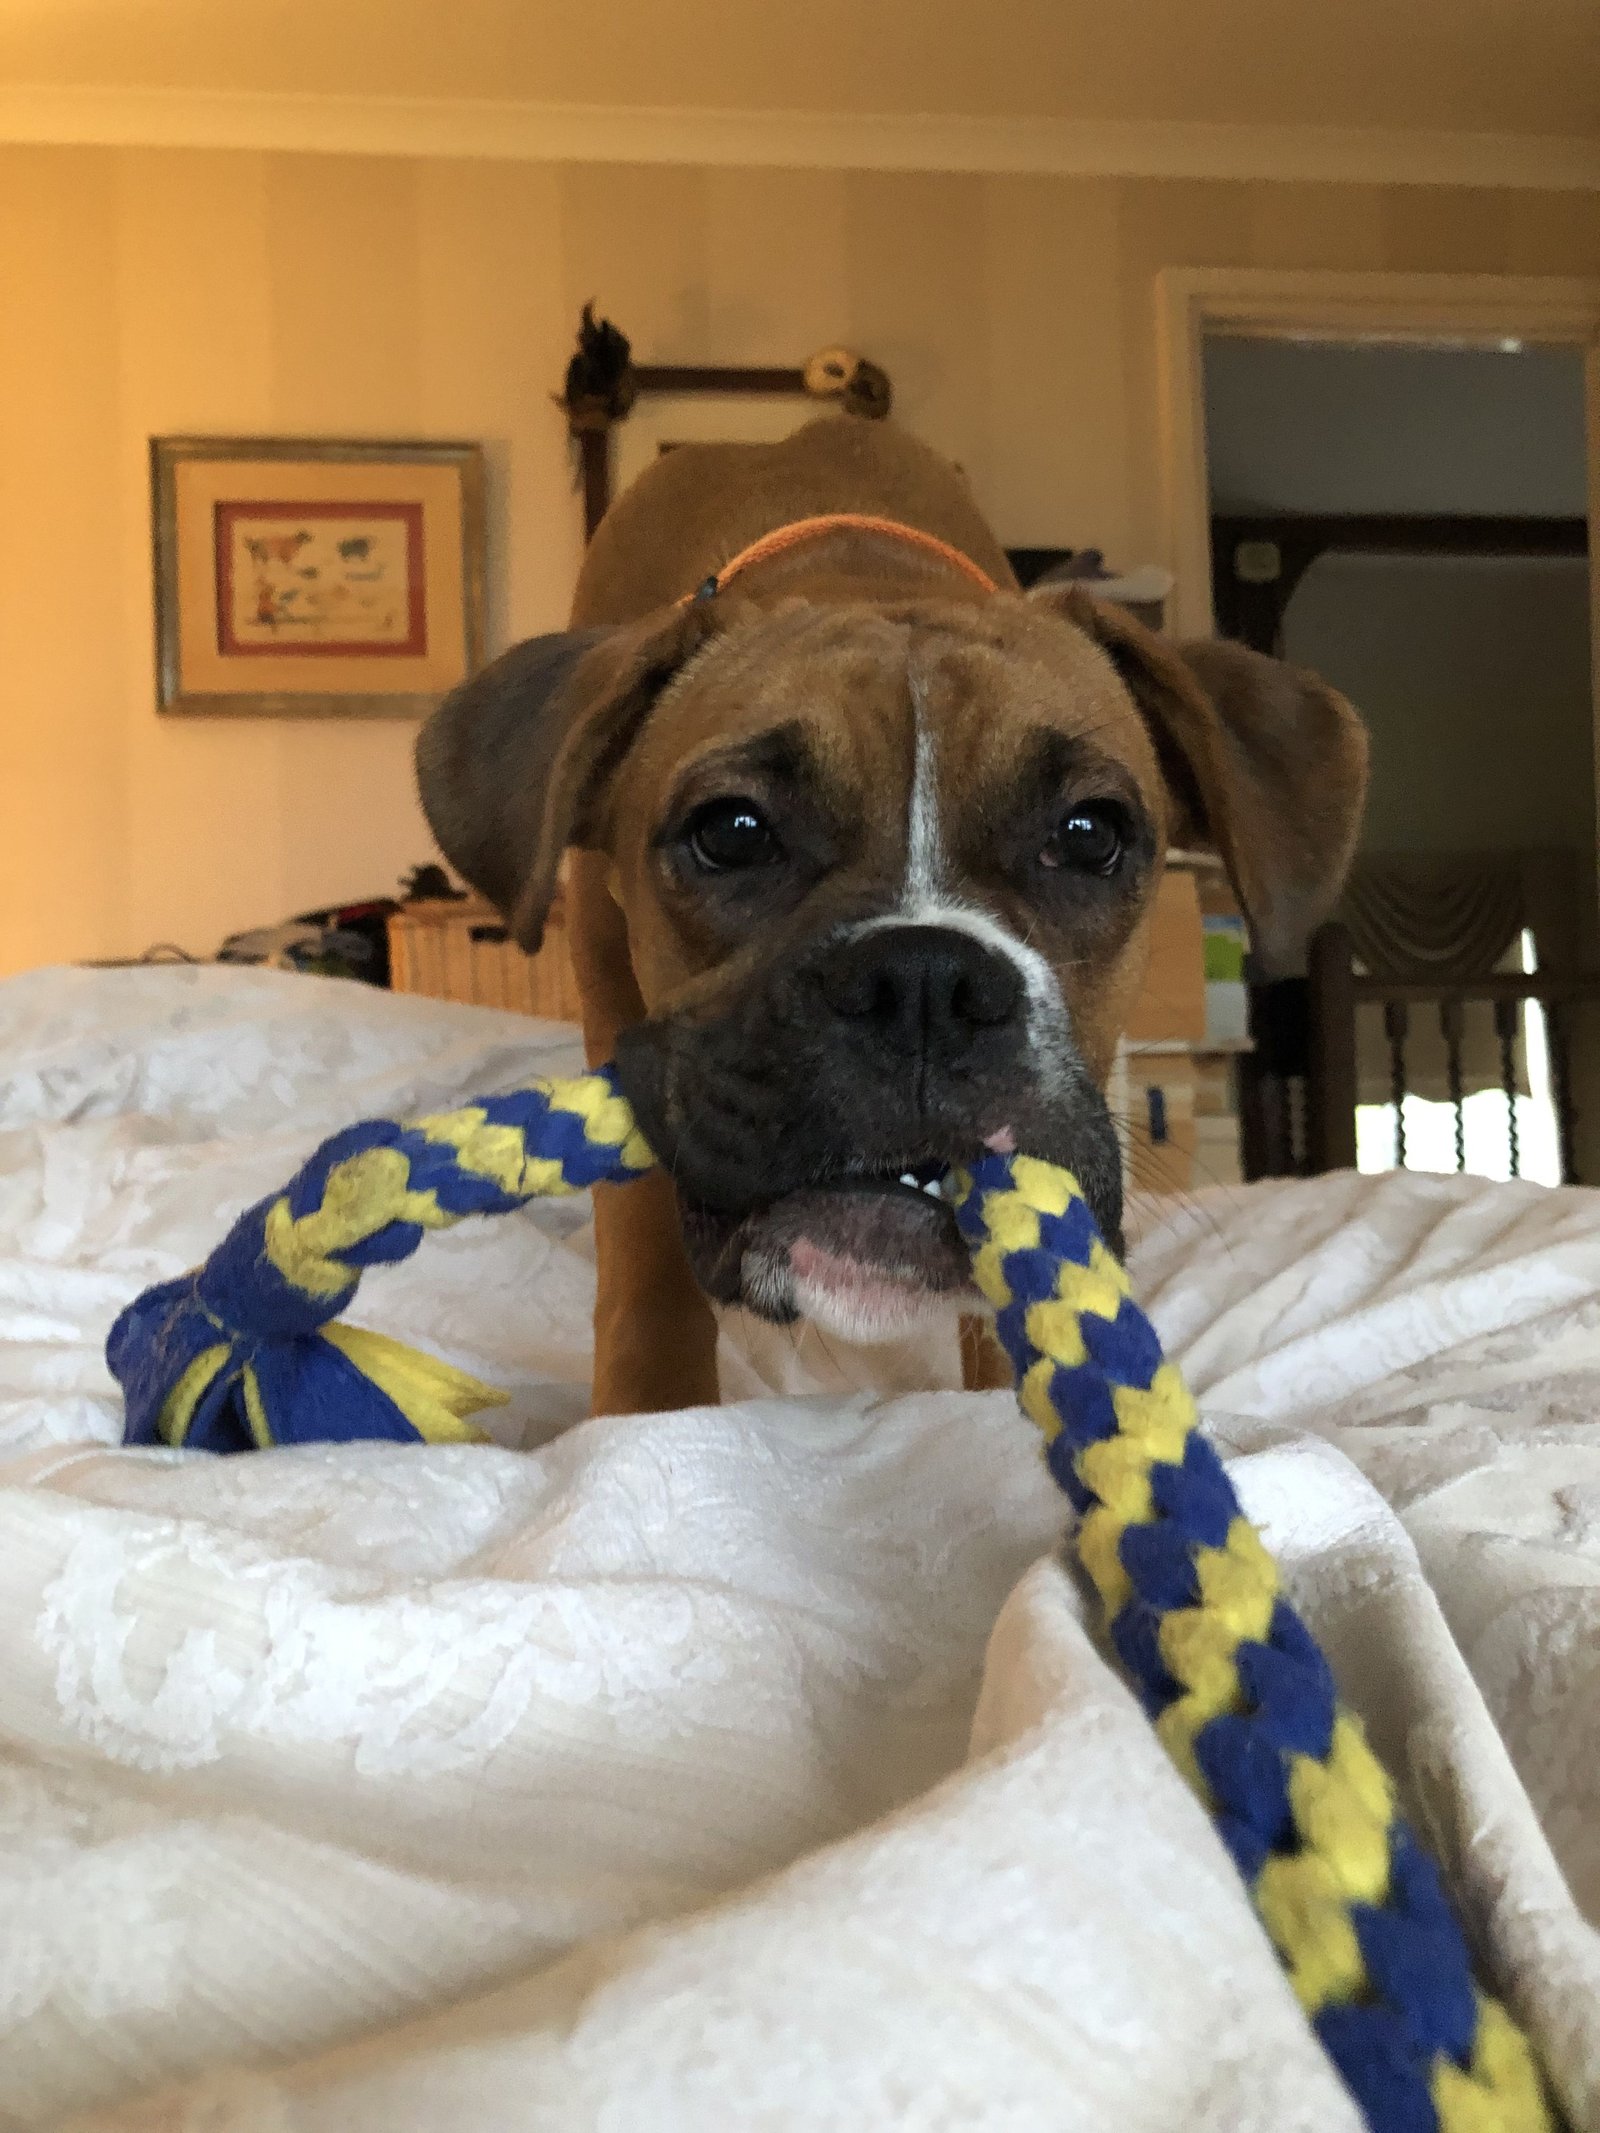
{"x":144,"y":291}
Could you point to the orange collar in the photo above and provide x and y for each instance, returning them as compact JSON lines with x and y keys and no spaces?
{"x":806,"y":529}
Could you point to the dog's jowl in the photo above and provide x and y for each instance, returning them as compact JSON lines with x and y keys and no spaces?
{"x":865,"y":844}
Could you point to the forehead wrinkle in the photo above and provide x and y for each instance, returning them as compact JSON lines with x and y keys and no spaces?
{"x":837,"y":697}
{"x":1077,"y":694}
{"x":766,"y":671}
{"x":798,"y":634}
{"x":853,"y":663}
{"x":994,"y":711}
{"x":779,"y":751}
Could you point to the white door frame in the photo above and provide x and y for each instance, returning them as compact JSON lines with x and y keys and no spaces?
{"x":1192,"y":301}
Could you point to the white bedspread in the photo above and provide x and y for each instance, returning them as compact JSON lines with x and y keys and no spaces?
{"x":748,"y":1767}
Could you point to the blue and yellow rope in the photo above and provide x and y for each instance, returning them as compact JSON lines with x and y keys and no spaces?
{"x":242,"y":1353}
{"x":1234,"y":1681}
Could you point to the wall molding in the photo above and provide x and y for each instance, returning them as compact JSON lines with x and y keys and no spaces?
{"x":89,"y":115}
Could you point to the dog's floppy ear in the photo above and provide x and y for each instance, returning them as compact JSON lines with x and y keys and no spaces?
{"x":1266,"y":764}
{"x":513,"y":766}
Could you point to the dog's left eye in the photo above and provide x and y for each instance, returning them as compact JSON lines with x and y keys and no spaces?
{"x":727,"y":835}
{"x":1089,"y":840}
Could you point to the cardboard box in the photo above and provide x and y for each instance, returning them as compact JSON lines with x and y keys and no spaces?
{"x":1172,"y":1004}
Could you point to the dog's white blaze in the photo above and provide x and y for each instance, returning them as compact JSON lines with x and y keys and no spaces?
{"x":858,"y":1303}
{"x":924,"y":893}
{"x":924,"y":846}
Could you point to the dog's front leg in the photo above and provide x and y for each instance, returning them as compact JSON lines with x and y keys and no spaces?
{"x":983,"y":1361}
{"x":655,"y":1336}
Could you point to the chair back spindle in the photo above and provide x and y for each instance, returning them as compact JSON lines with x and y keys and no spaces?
{"x":1306,"y":1059}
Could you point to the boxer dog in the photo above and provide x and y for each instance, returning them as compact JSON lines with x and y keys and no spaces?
{"x":863,"y":847}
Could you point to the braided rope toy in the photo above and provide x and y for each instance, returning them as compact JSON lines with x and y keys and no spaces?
{"x":242,"y":1353}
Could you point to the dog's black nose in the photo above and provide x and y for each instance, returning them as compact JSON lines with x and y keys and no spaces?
{"x":921,"y":988}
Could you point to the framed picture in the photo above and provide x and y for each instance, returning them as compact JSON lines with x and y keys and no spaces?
{"x":693,"y":403}
{"x":314,"y":579}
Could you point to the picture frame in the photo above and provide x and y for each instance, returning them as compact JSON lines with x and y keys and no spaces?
{"x":693,"y":403}
{"x":315,"y":577}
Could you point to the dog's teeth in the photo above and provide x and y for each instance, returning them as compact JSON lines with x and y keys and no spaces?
{"x":932,"y":1188}
{"x":906,"y":1178}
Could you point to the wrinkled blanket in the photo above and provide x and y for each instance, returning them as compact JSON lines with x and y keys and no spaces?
{"x":744,"y":1767}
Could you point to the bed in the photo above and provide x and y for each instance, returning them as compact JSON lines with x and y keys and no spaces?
{"x":746,"y":1766}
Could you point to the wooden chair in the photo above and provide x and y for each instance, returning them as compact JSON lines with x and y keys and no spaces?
{"x":1299,"y":1089}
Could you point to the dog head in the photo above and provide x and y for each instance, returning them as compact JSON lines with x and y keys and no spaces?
{"x":887,"y":869}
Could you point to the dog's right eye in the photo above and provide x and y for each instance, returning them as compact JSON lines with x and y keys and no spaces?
{"x":727,"y":835}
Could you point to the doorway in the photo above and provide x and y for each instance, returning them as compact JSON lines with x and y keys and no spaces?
{"x":1394,"y":490}
{"x":1409,"y":522}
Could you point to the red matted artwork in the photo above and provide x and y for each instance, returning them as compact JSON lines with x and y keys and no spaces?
{"x":315,"y":577}
{"x":329,"y":580}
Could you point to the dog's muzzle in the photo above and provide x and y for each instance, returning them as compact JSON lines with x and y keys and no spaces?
{"x":808,"y":1127}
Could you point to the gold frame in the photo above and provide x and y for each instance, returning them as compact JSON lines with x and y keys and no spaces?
{"x":167,"y":454}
